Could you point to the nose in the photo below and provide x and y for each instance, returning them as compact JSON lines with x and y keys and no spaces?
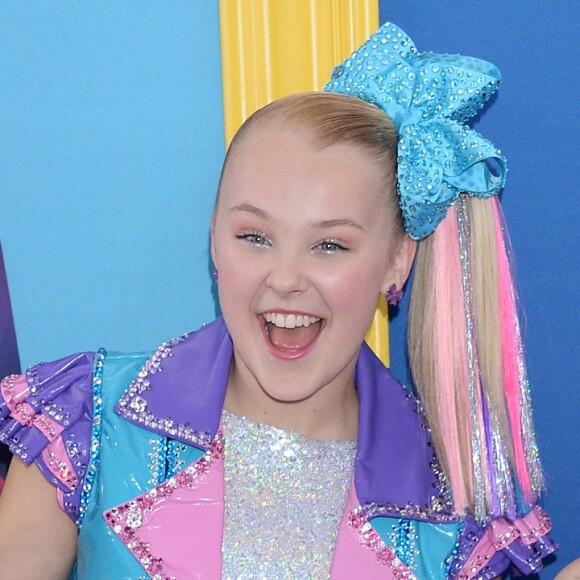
{"x":287,"y":274}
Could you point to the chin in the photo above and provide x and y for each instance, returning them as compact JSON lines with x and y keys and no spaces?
{"x":290,"y":387}
{"x":289,"y":393}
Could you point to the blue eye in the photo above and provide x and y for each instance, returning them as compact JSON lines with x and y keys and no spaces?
{"x":253,"y":238}
{"x":331,"y":247}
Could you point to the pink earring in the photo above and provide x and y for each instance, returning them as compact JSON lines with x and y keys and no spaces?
{"x":393,"y":295}
{"x":215,"y":275}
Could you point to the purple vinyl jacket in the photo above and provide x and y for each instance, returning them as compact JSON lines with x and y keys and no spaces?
{"x":58,"y":415}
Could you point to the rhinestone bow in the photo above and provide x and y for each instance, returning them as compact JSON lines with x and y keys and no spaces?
{"x":429,"y":97}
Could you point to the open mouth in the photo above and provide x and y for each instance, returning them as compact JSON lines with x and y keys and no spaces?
{"x":291,"y":334}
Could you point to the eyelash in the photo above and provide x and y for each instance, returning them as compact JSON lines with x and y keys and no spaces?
{"x":254,"y":238}
{"x":336,"y":247}
{"x":259,"y":239}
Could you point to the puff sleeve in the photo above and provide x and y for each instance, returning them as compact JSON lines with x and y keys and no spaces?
{"x":484,"y":552}
{"x":46,"y":417}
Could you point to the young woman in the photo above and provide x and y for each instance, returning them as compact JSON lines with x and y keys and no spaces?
{"x":272,"y":443}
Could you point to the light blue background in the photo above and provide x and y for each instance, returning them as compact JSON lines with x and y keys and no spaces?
{"x":534,"y":120}
{"x":111,"y":142}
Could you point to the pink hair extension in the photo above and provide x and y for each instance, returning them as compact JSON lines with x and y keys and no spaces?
{"x":511,"y":356}
{"x":451,"y":358}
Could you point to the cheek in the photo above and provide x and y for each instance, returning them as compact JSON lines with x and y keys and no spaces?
{"x":362,"y":274}
{"x":354,"y":290}
{"x":238,"y":283}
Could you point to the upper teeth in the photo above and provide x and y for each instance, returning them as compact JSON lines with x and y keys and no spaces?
{"x":290,"y":320}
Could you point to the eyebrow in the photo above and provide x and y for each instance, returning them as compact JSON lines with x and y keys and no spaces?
{"x":246,"y":207}
{"x":323,"y":224}
{"x":326,"y":224}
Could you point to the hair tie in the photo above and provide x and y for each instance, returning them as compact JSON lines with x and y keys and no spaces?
{"x":429,"y":97}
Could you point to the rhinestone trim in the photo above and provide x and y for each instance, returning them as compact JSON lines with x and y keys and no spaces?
{"x":133,"y":406}
{"x":95,"y":434}
{"x":126,"y":519}
{"x":369,"y":538}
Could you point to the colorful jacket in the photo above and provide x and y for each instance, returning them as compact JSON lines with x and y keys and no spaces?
{"x":133,"y":445}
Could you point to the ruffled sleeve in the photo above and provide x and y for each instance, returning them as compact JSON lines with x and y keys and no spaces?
{"x":46,"y":416}
{"x":486,"y":551}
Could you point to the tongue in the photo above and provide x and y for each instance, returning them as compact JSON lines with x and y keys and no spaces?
{"x":293,"y":338}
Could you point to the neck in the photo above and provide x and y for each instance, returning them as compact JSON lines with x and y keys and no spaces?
{"x":329,"y":414}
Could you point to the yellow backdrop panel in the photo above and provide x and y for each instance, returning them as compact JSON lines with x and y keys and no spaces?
{"x":271,"y":48}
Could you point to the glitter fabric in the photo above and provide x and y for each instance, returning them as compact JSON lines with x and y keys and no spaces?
{"x":284,"y":498}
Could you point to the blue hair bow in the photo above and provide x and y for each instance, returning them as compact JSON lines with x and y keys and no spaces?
{"x":429,"y":97}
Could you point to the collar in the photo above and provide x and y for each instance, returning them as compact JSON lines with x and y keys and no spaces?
{"x":396,"y":472}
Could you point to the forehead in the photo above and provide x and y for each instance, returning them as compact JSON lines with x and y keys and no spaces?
{"x":279,"y":165}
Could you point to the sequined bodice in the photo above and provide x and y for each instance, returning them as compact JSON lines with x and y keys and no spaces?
{"x":284,"y":498}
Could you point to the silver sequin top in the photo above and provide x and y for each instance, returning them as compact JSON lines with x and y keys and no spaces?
{"x":284,"y":498}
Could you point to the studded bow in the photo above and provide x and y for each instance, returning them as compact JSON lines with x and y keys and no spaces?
{"x":429,"y":97}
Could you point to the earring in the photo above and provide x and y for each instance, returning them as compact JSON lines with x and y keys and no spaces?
{"x":215,"y":275}
{"x":393,"y":295}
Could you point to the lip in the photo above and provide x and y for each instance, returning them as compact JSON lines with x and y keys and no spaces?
{"x":287,"y":354}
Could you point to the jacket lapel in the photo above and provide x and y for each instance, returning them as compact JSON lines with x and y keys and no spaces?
{"x":360,"y":552}
{"x":396,"y":471}
{"x":176,"y":528}
{"x":180,"y":391}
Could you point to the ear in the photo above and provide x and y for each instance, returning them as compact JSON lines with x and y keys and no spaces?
{"x":401,"y":263}
{"x":212,"y":237}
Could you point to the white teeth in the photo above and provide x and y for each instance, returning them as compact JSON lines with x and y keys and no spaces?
{"x":290,"y":320}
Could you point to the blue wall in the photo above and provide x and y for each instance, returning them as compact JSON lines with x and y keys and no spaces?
{"x":110,"y":150}
{"x":534,"y":120}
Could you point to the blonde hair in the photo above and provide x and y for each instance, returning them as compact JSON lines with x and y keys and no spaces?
{"x":467,"y":361}
{"x":464,"y":344}
{"x":332,"y":119}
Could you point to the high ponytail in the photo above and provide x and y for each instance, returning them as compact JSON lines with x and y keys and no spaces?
{"x":467,"y":362}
